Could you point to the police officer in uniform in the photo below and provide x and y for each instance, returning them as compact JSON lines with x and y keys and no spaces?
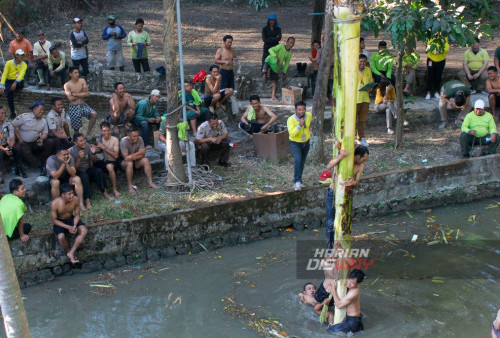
{"x":58,"y":123}
{"x":212,"y":136}
{"x":33,"y":143}
{"x":7,"y":140}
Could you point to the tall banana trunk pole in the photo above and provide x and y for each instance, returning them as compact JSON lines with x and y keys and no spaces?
{"x":346,"y":44}
{"x":11,"y":299}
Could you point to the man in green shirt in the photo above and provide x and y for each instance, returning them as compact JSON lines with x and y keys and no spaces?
{"x":457,"y":95}
{"x":381,"y":63}
{"x":278,"y":61}
{"x":146,"y":116}
{"x":479,"y":128}
{"x":12,"y":209}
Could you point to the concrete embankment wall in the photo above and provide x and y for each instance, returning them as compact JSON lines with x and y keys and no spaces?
{"x":152,"y":237}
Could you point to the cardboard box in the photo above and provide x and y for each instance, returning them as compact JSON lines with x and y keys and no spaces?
{"x":273,"y":146}
{"x":292,"y":95}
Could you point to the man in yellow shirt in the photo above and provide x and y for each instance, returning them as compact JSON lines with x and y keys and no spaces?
{"x":474,"y":74}
{"x":299,"y":125}
{"x":13,"y":79}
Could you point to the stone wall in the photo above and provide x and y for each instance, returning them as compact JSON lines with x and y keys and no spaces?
{"x":236,"y":222}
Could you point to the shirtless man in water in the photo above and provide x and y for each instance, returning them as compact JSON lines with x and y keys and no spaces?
{"x":351,"y":302}
{"x":225,"y":58}
{"x":65,"y":214}
{"x":257,"y":118}
{"x":76,"y":90}
{"x":122,"y":108}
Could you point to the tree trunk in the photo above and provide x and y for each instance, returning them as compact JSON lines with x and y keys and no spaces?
{"x":317,"y":20}
{"x":398,"y":136}
{"x":176,"y":171}
{"x":319,"y":99}
{"x":11,"y":299}
{"x":346,"y":45}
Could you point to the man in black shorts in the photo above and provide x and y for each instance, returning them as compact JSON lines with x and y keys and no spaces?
{"x":65,"y":214}
{"x":61,"y":169}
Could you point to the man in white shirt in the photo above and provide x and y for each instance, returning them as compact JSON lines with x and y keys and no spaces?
{"x":40,"y":57}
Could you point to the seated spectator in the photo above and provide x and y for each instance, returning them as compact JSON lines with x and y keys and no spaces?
{"x":122,"y":108}
{"x":315,"y":58}
{"x":496,"y":59}
{"x":479,"y":128}
{"x":457,"y":95}
{"x":13,"y":209}
{"x":146,"y":116}
{"x":76,"y":90}
{"x":474,"y":72}
{"x":139,"y":40}
{"x":85,"y":157}
{"x":410,"y":66}
{"x":194,"y":111}
{"x":495,"y":329}
{"x":384,"y":102}
{"x":110,"y":148}
{"x":182,"y":134}
{"x":57,"y":65}
{"x":436,"y":60}
{"x":257,"y":118}
{"x":212,"y":136}
{"x":61,"y":169}
{"x":381,"y":63}
{"x":20,"y":42}
{"x":41,"y":50}
{"x":58,"y":123}
{"x":13,"y":79}
{"x":65,"y":214}
{"x":33,"y":143}
{"x":215,"y":97}
{"x":133,"y":153}
{"x":7,"y":139}
{"x":278,"y":61}
{"x":363,"y":98}
{"x":114,"y":34}
{"x":493,"y":88}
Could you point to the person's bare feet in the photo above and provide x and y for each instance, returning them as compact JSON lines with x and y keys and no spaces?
{"x":105,"y":194}
{"x":131,"y":191}
{"x":82,"y":207}
{"x":148,"y":147}
{"x":152,"y":185}
{"x":117,"y":193}
{"x":274,"y":98}
{"x":264,"y":77}
{"x":72,"y":257}
{"x":88,"y":204}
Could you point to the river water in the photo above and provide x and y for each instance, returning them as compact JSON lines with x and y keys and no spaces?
{"x":439,"y":290}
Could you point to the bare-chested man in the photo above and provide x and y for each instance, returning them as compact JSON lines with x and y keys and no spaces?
{"x":352,"y":303}
{"x":257,"y":118}
{"x":76,"y":90}
{"x":65,"y":214}
{"x":225,"y":58}
{"x":110,"y":148}
{"x":122,"y":108}
{"x":215,"y":97}
{"x":493,"y":88}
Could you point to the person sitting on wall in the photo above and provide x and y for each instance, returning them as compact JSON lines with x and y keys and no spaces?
{"x":381,"y":64}
{"x":61,"y":169}
{"x":57,"y":65}
{"x":493,"y":88}
{"x":257,"y":118}
{"x":147,"y":116}
{"x":212,"y":136}
{"x":457,"y":95}
{"x":13,"y":75}
{"x":479,"y":128}
{"x":474,"y":74}
{"x":65,"y":214}
{"x":133,"y":153}
{"x":13,"y":209}
{"x":194,"y":112}
{"x":122,"y":108}
{"x":58,"y":123}
{"x":110,"y":148}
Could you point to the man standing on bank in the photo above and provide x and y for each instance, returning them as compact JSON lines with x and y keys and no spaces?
{"x":225,"y":58}
{"x":114,"y":34}
{"x":299,"y":125}
{"x":79,"y":41}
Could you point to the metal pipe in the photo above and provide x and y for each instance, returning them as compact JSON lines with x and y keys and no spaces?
{"x":183,"y":92}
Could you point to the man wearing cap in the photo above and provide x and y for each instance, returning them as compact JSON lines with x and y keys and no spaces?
{"x":479,"y":128}
{"x":57,"y":65}
{"x":146,"y":116}
{"x":41,"y":50}
{"x":58,"y":123}
{"x":122,"y":108}
{"x":457,"y":95}
{"x":32,"y":143}
{"x":271,"y":35}
{"x":13,"y":79}
{"x":20,"y":42}
{"x":381,"y":63}
{"x":79,"y":41}
{"x":76,"y":90}
{"x":474,"y":72}
{"x":114,"y":34}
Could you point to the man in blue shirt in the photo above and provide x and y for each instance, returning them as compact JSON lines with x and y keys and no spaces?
{"x":114,"y":34}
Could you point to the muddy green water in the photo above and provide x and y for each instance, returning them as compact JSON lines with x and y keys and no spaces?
{"x":185,"y":296}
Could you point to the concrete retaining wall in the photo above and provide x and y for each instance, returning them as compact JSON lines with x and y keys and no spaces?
{"x":159,"y":236}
